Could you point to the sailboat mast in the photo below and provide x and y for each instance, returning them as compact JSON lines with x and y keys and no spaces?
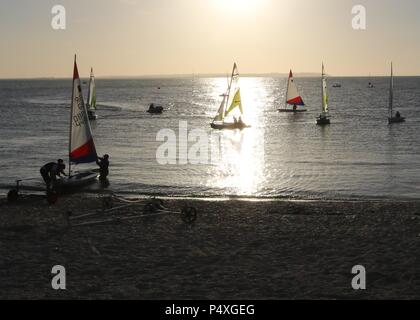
{"x":322,"y":89}
{"x":230,"y":84}
{"x":90,"y":85}
{"x":71,"y":115}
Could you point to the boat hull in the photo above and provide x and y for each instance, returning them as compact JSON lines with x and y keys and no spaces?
{"x":322,"y":121}
{"x":76,"y":181}
{"x":229,"y":126}
{"x":153,"y":109}
{"x":396,"y":120}
{"x":292,"y":111}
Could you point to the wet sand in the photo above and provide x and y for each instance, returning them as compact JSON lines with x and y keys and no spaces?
{"x":234,"y":250}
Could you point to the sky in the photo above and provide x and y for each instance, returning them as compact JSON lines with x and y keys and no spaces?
{"x":152,"y":37}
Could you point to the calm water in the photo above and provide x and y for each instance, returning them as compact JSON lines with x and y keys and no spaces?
{"x":282,"y":155}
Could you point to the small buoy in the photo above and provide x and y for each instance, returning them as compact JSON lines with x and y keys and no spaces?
{"x":12,"y":196}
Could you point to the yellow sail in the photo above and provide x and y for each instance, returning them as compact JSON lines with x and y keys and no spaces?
{"x":236,"y":102}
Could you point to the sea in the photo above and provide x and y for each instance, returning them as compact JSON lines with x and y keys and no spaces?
{"x":176,"y":154}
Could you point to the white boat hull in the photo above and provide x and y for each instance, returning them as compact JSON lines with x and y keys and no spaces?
{"x":78,"y":180}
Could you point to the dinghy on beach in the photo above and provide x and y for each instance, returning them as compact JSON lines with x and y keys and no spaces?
{"x":324,"y":117}
{"x":397,"y":118}
{"x":231,"y":98}
{"x":81,"y":145}
{"x":293,"y":97}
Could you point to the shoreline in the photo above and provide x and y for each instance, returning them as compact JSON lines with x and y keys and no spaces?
{"x":234,"y":250}
{"x":133,"y":195}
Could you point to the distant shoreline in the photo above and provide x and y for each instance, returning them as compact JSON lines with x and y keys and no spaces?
{"x":216,"y":75}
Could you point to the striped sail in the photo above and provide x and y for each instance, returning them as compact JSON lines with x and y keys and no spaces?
{"x":293,"y":97}
{"x":82,"y":148}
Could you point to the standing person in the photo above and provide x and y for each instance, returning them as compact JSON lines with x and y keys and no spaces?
{"x":51,"y":170}
{"x":103,"y":164}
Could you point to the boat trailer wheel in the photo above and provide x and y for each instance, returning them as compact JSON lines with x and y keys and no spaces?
{"x":12,"y":195}
{"x":107,"y":203}
{"x":189,"y":215}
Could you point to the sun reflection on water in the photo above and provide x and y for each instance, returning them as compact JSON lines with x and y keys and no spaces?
{"x":241,"y":164}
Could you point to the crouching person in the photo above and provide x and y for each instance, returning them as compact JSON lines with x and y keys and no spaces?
{"x":51,"y":170}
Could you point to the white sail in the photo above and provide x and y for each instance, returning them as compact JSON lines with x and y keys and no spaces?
{"x":325,"y":101}
{"x":391,"y":92}
{"x":82,"y":147}
{"x":221,"y":112}
{"x":91,"y":101}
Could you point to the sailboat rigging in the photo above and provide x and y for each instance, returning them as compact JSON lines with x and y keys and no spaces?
{"x":323,"y":118}
{"x":81,"y":145}
{"x":397,"y":118}
{"x":231,"y":101}
{"x":91,"y":100}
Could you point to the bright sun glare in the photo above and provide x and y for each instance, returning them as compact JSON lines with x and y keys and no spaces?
{"x":238,"y":5}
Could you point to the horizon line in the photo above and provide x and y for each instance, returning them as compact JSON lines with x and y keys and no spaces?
{"x":203,"y":75}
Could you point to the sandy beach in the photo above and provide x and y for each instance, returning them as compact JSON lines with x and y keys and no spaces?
{"x":234,"y":250}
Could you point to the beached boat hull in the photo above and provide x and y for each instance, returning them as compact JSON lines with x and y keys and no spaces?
{"x":76,"y":181}
{"x":229,"y":126}
{"x":396,"y":120}
{"x":292,"y":111}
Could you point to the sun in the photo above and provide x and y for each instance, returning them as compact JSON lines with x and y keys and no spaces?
{"x":238,"y":5}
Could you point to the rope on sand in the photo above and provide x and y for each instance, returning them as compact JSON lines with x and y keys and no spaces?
{"x":153,"y":207}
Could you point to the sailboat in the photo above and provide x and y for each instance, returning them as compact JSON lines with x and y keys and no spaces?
{"x":397,"y":118}
{"x":81,"y":145}
{"x":370,"y":84}
{"x":323,"y":118}
{"x":231,"y":101}
{"x":91,"y":100}
{"x":293,"y":97}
